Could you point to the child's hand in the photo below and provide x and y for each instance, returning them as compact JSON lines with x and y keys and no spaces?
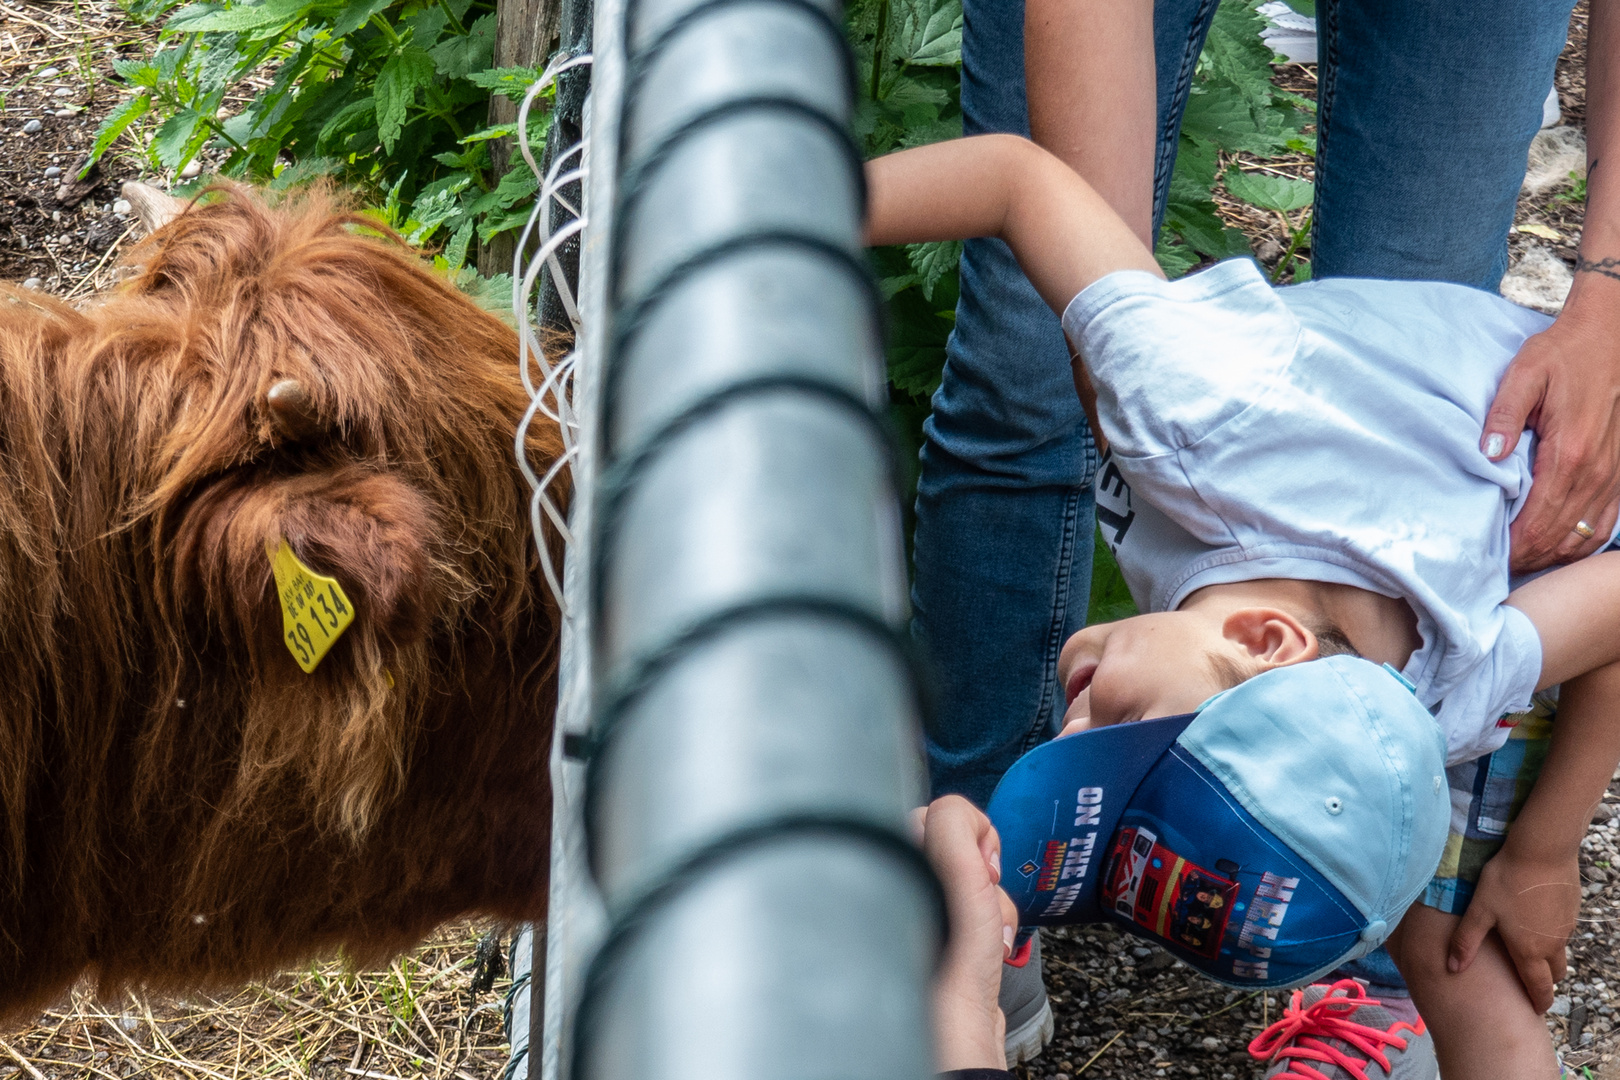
{"x":1532,"y":902}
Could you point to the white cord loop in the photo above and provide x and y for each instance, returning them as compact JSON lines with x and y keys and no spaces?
{"x":553,"y":396}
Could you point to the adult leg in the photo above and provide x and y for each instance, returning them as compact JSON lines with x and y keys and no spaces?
{"x":1004,"y":505}
{"x":1426,"y":110}
{"x":1004,"y":510}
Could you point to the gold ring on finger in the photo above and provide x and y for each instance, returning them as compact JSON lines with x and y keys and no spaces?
{"x":1586,"y":531}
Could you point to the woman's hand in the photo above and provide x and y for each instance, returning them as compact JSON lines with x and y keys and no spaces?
{"x":1564,"y":383}
{"x":962,"y":845}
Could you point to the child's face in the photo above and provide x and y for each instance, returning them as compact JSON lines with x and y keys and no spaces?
{"x":1140,"y":668}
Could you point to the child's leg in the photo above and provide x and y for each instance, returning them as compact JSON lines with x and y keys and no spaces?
{"x":1482,"y":1021}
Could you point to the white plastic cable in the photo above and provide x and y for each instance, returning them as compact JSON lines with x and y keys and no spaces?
{"x":553,"y":396}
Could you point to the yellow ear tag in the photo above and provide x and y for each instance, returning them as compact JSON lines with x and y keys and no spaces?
{"x":314,"y":611}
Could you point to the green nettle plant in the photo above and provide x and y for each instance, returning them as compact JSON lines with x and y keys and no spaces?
{"x":389,"y":96}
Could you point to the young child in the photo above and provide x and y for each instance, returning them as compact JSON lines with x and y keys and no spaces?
{"x":1297,"y":472}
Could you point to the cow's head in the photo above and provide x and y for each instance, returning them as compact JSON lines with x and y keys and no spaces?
{"x":296,"y":375}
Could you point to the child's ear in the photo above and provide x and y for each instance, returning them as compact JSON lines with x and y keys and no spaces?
{"x":1272,"y":637}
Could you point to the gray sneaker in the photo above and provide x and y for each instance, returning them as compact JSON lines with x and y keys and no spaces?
{"x":1338,"y":1033}
{"x":1024,"y":1004}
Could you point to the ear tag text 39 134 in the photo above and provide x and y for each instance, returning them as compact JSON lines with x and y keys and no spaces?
{"x":314,"y":610}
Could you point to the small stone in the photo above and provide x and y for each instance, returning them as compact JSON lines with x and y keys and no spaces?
{"x":64,"y":112}
{"x":1560,"y":1006}
{"x":1212,"y":1044}
{"x":32,"y":283}
{"x":192,"y":168}
{"x":53,"y":172}
{"x":1060,"y":1076}
{"x":46,"y":73}
{"x":31,"y":127}
{"x":1141,"y":953}
{"x":1157,"y":962}
{"x":65,"y":91}
{"x":1602,"y":812}
{"x":121,"y":207}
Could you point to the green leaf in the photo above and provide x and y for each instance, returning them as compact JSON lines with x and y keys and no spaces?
{"x":348,"y":118}
{"x":201,"y":17}
{"x":888,"y":286}
{"x":434,"y":205}
{"x":916,"y":369}
{"x":426,"y":25}
{"x":356,"y":14}
{"x":137,"y":72}
{"x":404,"y":73}
{"x":516,"y":184}
{"x":940,"y":42}
{"x":1175,"y":258}
{"x":932,"y":261}
{"x":459,"y":56}
{"x":1110,"y":596}
{"x":936,"y":130}
{"x":511,"y":82}
{"x":906,"y":90}
{"x":115,"y":124}
{"x":1278,"y":193}
{"x":456,"y":250}
{"x":173,"y":137}
{"x":493,"y":294}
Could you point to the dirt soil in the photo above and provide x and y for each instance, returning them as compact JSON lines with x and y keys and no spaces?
{"x":57,"y":233}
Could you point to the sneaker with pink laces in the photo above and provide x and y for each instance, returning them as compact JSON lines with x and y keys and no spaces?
{"x":1337,"y":1032}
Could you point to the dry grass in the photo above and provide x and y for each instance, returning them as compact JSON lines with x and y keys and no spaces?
{"x":418,"y":1018}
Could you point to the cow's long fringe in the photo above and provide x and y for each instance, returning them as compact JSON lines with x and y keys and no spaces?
{"x":180,"y":804}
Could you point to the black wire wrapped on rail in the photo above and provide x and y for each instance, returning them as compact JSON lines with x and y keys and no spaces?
{"x":636,"y":651}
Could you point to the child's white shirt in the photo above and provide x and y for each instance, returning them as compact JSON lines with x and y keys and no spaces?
{"x":1321,"y":432}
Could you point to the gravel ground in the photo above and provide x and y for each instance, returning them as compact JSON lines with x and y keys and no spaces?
{"x":60,"y":234}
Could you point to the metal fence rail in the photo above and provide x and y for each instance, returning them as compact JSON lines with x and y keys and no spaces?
{"x":752,"y":749}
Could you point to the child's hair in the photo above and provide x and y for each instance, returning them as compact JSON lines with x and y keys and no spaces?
{"x":1330,"y":641}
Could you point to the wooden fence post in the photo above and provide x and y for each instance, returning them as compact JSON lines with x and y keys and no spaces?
{"x":525,"y":34}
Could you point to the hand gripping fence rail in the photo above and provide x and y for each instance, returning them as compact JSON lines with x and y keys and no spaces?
{"x":752,"y":746}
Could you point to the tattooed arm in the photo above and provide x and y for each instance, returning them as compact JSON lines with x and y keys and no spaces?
{"x":1565,"y":383}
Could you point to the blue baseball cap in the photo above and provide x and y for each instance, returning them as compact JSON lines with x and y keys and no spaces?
{"x":1278,"y":832}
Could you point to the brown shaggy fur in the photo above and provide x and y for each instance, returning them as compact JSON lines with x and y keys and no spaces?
{"x":180,"y":804}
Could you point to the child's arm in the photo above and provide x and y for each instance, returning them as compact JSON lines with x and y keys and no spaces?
{"x":1062,"y":232}
{"x":1530,"y":893}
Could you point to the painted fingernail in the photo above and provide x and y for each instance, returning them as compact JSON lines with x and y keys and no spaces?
{"x":1494,"y":445}
{"x":1007,"y":935}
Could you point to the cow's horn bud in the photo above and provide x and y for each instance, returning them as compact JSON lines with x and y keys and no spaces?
{"x":292,"y":413}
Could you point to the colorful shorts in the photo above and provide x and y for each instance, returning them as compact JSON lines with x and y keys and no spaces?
{"x":1486,"y":795}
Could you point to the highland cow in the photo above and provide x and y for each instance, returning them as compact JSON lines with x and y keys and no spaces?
{"x":181,"y":804}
